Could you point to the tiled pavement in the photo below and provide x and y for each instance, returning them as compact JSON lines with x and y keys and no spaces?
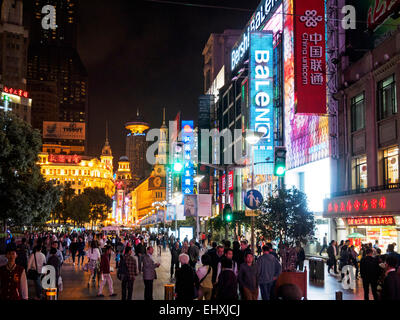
{"x":75,"y":284}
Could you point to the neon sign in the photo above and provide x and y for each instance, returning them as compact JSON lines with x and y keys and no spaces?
{"x":17,"y":92}
{"x":371,"y":221}
{"x":188,"y":166}
{"x":230,"y":181}
{"x":261,"y":93}
{"x":357,"y":205}
{"x":61,"y":158}
{"x":263,"y":13}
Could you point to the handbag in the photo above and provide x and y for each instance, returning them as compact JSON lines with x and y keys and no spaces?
{"x":32,"y":273}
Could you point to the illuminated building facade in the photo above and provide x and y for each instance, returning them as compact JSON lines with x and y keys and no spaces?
{"x":367,"y":185}
{"x":56,"y":76}
{"x":136,"y":147}
{"x":16,"y":103}
{"x":122,"y":213}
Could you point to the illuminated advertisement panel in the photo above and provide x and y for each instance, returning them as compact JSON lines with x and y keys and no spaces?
{"x":372,"y":221}
{"x":188,"y":166}
{"x":262,"y":14}
{"x":309,"y":57}
{"x":261,"y":93}
{"x":306,"y":137}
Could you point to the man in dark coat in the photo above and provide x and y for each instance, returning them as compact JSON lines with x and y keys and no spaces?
{"x":175,"y":252}
{"x":227,"y":282}
{"x":186,"y":280}
{"x":391,"y":284}
{"x":332,"y":253}
{"x":369,"y":270}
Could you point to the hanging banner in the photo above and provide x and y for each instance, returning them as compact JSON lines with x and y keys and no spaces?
{"x":180,"y":213}
{"x":204,"y":202}
{"x":309,"y":57}
{"x":261,"y":111}
{"x":170,"y":213}
{"x":190,"y":203}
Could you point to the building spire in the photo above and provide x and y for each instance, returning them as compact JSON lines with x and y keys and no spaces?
{"x":163,"y":118}
{"x":137,"y":113}
{"x":106,"y":131}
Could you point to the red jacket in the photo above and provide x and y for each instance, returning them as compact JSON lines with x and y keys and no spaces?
{"x":105,"y":264}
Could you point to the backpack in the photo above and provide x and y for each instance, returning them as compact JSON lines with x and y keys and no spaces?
{"x":122,"y":272}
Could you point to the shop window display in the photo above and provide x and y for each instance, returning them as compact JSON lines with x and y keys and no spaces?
{"x":360,"y":173}
{"x":391,"y":165}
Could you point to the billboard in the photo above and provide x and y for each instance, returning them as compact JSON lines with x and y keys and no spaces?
{"x":309,"y":57}
{"x":190,"y":205}
{"x":262,"y":14}
{"x":261,"y":117}
{"x":306,"y":137}
{"x":376,"y":20}
{"x":188,"y":166}
{"x":204,"y":203}
{"x":63,"y":130}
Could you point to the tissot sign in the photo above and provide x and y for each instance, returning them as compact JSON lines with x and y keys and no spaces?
{"x":368,"y":204}
{"x":263,"y":13}
{"x":310,"y":64}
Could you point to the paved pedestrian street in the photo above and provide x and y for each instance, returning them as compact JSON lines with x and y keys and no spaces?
{"x":75,"y":284}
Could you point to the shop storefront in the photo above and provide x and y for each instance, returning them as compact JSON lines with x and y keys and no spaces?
{"x":373,"y":215}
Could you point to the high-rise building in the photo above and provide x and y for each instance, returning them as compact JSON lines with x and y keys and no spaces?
{"x":136,"y":147}
{"x":57,"y":78}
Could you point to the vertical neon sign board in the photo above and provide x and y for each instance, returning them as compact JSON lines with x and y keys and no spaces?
{"x":309,"y":54}
{"x":188,"y":167}
{"x":261,"y":93}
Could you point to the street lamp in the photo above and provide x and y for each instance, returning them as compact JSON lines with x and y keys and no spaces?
{"x":253,"y":138}
{"x":197,"y":179}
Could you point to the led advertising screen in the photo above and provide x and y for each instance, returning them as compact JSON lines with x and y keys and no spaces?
{"x":306,"y":137}
{"x":261,"y":93}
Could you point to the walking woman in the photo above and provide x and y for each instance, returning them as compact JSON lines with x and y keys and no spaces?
{"x":81,"y":250}
{"x":93,"y":261}
{"x":36,"y":262}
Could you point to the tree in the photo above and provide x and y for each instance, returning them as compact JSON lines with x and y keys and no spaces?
{"x":285,"y":216}
{"x":25,"y":196}
{"x":78,"y":209}
{"x":100,"y":204}
{"x":67,"y":194}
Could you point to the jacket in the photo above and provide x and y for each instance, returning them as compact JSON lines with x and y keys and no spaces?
{"x":193,"y":253}
{"x":105,"y":264}
{"x":369,"y":268}
{"x":247,"y":277}
{"x":149,"y":272}
{"x":227,"y":286}
{"x":268,"y":267}
{"x":175,"y":255}
{"x":391,"y":286}
{"x":186,"y":280}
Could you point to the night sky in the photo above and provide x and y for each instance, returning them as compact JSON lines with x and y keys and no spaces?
{"x":147,"y":55}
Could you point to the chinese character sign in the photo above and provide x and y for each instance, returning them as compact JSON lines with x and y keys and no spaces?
{"x":372,"y":221}
{"x":310,"y":63}
{"x":261,"y":111}
{"x":188,"y":166}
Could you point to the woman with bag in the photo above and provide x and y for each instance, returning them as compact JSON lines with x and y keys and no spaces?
{"x":93,"y":261}
{"x":35,"y":264}
{"x":205,"y":273}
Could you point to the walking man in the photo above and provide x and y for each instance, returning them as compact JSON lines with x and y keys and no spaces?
{"x":128,"y":277}
{"x":324,"y":244}
{"x":269,"y":269}
{"x":332,"y":257}
{"x":369,"y":270}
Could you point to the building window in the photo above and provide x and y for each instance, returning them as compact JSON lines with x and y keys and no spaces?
{"x":387,"y":102}
{"x":360,"y":173}
{"x":391,"y":165}
{"x":358,"y":112}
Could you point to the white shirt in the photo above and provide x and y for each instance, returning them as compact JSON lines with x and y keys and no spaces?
{"x":40,"y":260}
{"x":95,"y":255}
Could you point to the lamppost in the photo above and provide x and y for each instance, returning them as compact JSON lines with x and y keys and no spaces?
{"x":197,"y":179}
{"x":253,"y":138}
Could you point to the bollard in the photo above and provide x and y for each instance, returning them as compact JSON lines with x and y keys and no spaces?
{"x":169,"y":291}
{"x":339,"y":295}
{"x":51,"y":294}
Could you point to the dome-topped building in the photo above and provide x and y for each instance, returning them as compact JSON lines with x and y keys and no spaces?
{"x":136,"y":147}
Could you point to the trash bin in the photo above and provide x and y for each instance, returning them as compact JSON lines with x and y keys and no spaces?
{"x":169,"y":291}
{"x":316,"y":267}
{"x":51,"y":294}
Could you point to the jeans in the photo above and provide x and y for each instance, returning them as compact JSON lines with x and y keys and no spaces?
{"x":148,"y":289}
{"x":140,"y":261}
{"x":266,"y":289}
{"x":81,"y":255}
{"x":366,"y":283}
{"x":106,"y":278}
{"x":38,"y":287}
{"x":127,"y":287}
{"x":73,"y":254}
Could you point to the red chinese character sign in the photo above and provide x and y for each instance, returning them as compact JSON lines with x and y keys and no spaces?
{"x":309,"y":58}
{"x":18,"y":92}
{"x":371,"y":221}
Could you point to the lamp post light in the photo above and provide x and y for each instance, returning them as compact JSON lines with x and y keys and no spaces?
{"x":253,"y":138}
{"x":197,"y":179}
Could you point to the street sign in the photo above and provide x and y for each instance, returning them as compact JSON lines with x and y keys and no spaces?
{"x":253,"y":199}
{"x":251,"y":213}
